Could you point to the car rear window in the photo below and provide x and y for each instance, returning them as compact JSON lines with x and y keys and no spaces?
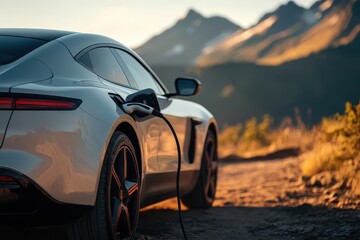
{"x":13,"y":48}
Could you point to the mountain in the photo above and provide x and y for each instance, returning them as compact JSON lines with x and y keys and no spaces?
{"x":318,"y":85}
{"x":254,"y":42}
{"x":182,"y":43}
{"x":307,"y":58}
{"x":288,"y":33}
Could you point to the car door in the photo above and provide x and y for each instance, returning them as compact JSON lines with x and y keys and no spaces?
{"x":103,"y":62}
{"x":174,"y":111}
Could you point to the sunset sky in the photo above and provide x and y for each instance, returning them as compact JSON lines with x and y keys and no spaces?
{"x":130,"y":22}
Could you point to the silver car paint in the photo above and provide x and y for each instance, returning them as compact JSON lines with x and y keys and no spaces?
{"x":20,"y":72}
{"x":4,"y":119}
{"x":30,"y":70}
{"x":63,"y":151}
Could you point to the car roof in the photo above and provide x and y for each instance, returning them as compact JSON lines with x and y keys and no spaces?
{"x":75,"y":42}
{"x":41,"y":34}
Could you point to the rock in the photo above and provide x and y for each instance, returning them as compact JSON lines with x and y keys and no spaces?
{"x":302,"y":186}
{"x":303,"y":179}
{"x":328,"y":178}
{"x":334,"y":200}
{"x":337,"y":194}
{"x":326,"y":192}
{"x":322,"y":179}
{"x":280,"y":199}
{"x":339,"y":185}
{"x":348,"y":184}
{"x":315,"y":182}
{"x":292,"y":195}
{"x":292,"y":179}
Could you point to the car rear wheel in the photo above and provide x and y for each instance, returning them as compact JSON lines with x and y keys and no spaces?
{"x":203,"y":195}
{"x":115,"y":214}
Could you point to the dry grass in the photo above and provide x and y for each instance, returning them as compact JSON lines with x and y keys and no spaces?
{"x":333,"y":145}
{"x":336,"y":148}
{"x":259,"y":138}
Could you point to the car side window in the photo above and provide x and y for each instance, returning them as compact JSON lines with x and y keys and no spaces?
{"x":103,"y":63}
{"x":140,"y":74}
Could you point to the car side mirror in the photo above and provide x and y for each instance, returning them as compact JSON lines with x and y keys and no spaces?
{"x":186,"y":87}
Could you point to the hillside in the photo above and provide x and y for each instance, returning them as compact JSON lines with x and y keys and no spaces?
{"x":289,"y":33}
{"x":318,"y":85}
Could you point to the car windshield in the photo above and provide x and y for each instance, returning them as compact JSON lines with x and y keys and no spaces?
{"x":13,"y":48}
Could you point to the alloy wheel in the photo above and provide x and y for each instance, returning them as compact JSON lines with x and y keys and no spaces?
{"x":210,"y":169}
{"x":123,"y":193}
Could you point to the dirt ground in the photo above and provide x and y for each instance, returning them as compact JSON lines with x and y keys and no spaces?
{"x":261,"y":198}
{"x":257,"y":198}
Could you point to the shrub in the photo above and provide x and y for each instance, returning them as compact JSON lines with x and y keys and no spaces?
{"x":336,"y":148}
{"x":228,"y":139}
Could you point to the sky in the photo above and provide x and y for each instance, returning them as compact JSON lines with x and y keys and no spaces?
{"x":130,"y":22}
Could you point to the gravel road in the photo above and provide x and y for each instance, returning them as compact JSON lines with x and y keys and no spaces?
{"x":259,"y":198}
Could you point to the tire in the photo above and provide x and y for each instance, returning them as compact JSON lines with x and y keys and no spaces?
{"x":116,"y":211}
{"x":203,"y":194}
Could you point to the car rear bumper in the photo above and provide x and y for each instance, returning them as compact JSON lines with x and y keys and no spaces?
{"x":23,"y":202}
{"x":60,"y":151}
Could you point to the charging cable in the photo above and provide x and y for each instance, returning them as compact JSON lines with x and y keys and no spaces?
{"x":133,"y":107}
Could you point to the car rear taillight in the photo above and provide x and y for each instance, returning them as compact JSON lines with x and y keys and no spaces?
{"x":6,"y":103}
{"x":6,"y":179}
{"x":38,"y":103}
{"x":26,"y":103}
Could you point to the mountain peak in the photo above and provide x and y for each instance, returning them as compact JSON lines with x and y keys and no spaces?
{"x":285,"y":11}
{"x":193,"y":14}
{"x":289,"y":10}
{"x":291,"y":5}
{"x":183,"y":42}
